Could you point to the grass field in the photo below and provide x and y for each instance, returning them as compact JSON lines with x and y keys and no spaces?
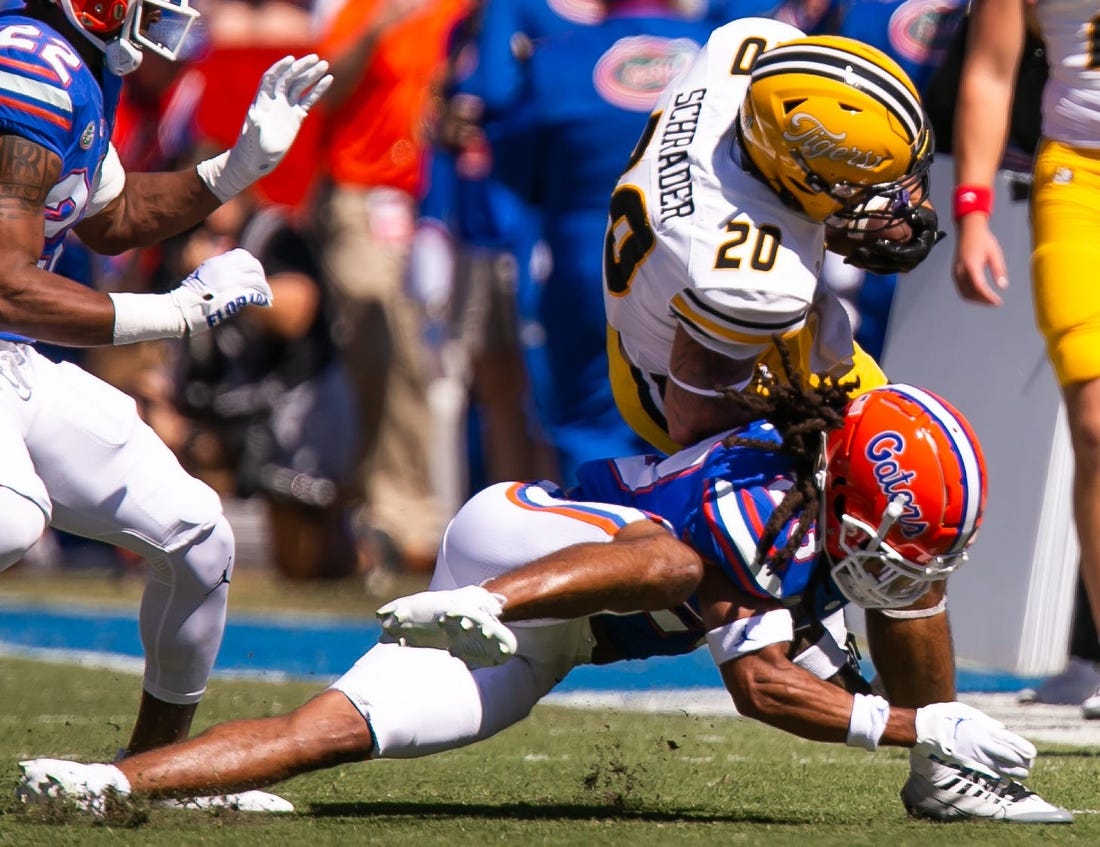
{"x":563,"y":777}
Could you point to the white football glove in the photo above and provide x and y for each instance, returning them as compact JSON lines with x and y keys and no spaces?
{"x":464,"y":621}
{"x":288,"y":90}
{"x":960,"y":734}
{"x":216,"y":290}
{"x":219,"y":288}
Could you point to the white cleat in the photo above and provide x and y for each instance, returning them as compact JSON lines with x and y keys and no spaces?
{"x":88,"y":787}
{"x":464,"y":621}
{"x":85,"y":786}
{"x":244,"y":801}
{"x":946,"y":792}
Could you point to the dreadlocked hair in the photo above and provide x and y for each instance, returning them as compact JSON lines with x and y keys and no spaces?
{"x":801,"y":412}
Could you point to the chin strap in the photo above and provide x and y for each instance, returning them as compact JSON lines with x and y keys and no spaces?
{"x":915,"y":614}
{"x":691,"y":389}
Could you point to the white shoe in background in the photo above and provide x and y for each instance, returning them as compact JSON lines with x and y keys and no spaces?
{"x":1078,"y":682}
{"x":1090,"y":707}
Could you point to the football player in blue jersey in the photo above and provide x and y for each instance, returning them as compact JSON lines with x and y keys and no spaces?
{"x":588,"y":94}
{"x":494,"y":233}
{"x":745,"y":542}
{"x":77,"y":456}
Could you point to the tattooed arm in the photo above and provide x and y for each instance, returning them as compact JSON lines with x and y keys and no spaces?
{"x":35,"y":302}
{"x":151,"y":207}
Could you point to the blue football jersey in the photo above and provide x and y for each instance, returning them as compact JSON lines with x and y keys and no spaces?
{"x":50,"y":97}
{"x":718,"y":499}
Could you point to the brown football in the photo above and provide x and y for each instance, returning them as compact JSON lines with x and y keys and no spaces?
{"x":840,"y":239}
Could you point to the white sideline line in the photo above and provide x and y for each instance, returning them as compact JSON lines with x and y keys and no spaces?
{"x":126,"y":664}
{"x":84,"y":658}
{"x":688,"y":701}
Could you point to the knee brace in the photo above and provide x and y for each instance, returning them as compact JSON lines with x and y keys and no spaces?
{"x":183,"y":614}
{"x":22,"y":523}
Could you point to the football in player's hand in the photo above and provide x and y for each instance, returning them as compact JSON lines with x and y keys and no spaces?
{"x":842,"y":235}
{"x":843,"y":239}
{"x":866,"y":229}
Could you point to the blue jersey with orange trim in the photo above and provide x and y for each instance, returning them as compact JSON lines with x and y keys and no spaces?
{"x":717,"y":498}
{"x":50,"y":97}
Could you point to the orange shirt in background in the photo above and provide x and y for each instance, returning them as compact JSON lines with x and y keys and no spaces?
{"x":377,"y":136}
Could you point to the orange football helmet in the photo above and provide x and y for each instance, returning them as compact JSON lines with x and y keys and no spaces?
{"x":123,"y":28}
{"x":904,"y":491}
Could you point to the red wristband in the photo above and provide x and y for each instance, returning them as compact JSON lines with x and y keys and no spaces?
{"x":973,"y":198}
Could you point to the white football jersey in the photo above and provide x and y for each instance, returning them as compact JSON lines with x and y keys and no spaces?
{"x":1071,"y":96}
{"x":693,"y":238}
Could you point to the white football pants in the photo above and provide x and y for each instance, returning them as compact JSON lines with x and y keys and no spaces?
{"x":420,"y":701}
{"x":74,"y":448}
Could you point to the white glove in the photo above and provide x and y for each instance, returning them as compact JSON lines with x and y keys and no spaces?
{"x":216,"y":290}
{"x":287,"y":92}
{"x":219,"y":288}
{"x":960,"y":734}
{"x":464,"y":621}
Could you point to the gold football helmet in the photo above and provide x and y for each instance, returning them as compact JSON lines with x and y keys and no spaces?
{"x":832,"y":123}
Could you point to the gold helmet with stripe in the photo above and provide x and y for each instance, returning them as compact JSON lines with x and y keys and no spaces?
{"x":832,"y":123}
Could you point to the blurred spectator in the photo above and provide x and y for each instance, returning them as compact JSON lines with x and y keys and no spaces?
{"x":472,"y":246}
{"x":257,"y":23}
{"x":507,"y":32}
{"x":587,"y":96}
{"x":810,"y":16}
{"x":491,"y":238}
{"x":154,"y":130}
{"x":385,"y":55}
{"x":266,"y":406}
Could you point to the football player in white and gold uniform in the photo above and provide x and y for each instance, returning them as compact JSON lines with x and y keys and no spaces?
{"x":717,"y":228}
{"x":1065,"y":214}
{"x":769,"y":148}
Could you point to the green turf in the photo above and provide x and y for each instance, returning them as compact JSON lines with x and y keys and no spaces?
{"x":563,"y":777}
